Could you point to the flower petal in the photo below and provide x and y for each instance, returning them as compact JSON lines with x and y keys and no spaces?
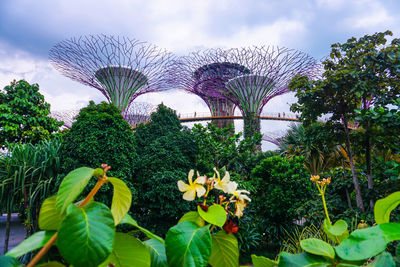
{"x":190,"y":194}
{"x":200,"y":180}
{"x":200,"y":190}
{"x":232,"y":187}
{"x":226,"y":178}
{"x":183,"y":187}
{"x":190,"y":175}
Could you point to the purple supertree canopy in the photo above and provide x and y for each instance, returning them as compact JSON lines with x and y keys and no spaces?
{"x":204,"y":73}
{"x":67,"y":116}
{"x":121,"y":68}
{"x":139,"y":112}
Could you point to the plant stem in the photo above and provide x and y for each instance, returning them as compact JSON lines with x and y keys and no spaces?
{"x":53,"y":239}
{"x":212,"y":228}
{"x":324,"y":203}
{"x":43,"y":251}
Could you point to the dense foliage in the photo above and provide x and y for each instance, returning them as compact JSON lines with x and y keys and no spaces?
{"x":100,"y":134}
{"x":166,"y":151}
{"x":280,"y":187}
{"x":24,"y":114}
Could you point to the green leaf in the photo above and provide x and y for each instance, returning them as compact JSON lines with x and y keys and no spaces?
{"x":215,"y":214}
{"x":157,"y":253}
{"x":89,"y":229}
{"x":35,"y":241}
{"x":366,"y":243}
{"x":224,"y":250}
{"x":49,"y":217}
{"x":318,"y":247}
{"x":51,"y":264}
{"x":383,"y":207}
{"x":302,"y":260}
{"x":129,"y":220}
{"x":260,"y":261}
{"x":72,"y":185}
{"x":122,"y":199}
{"x":8,"y":261}
{"x":192,"y":216}
{"x":128,"y":251}
{"x":188,"y":245}
{"x":336,"y":232}
{"x":383,"y":260}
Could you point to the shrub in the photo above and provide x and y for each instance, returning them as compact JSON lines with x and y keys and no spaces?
{"x":101,"y":135}
{"x":166,"y":152}
{"x":281,"y":187}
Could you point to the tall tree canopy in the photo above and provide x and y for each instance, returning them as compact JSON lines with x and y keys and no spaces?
{"x":359,"y":73}
{"x":24,"y":114}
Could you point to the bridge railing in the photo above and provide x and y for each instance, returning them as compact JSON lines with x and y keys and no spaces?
{"x":263,"y":114}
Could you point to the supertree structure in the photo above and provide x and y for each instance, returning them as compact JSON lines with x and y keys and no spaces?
{"x":204,"y":73}
{"x":271,"y":68}
{"x":67,"y":116}
{"x":119,"y":67}
{"x":139,"y":112}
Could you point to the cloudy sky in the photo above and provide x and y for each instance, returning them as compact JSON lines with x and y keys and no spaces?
{"x":28,"y":29}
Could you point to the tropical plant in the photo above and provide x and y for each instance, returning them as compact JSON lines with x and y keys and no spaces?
{"x":84,"y":230}
{"x":28,"y":174}
{"x":356,"y":249}
{"x":24,"y":114}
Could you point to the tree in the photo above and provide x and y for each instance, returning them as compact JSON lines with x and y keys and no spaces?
{"x":220,"y":147}
{"x":101,"y":135}
{"x":358,"y":71}
{"x":24,"y":114}
{"x":166,"y":153}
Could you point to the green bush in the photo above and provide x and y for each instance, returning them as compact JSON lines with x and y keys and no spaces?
{"x":166,"y":153}
{"x":101,"y":135}
{"x":281,"y":186}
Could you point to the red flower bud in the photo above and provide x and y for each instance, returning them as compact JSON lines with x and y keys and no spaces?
{"x":230,"y":227}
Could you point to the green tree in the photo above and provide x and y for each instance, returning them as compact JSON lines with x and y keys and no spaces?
{"x":220,"y":147}
{"x":101,"y":135}
{"x":358,"y":71}
{"x":281,"y":186}
{"x":24,"y":114}
{"x":166,"y":153}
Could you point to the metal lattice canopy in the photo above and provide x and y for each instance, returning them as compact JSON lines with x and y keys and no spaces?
{"x":272,"y":68}
{"x":139,"y":112}
{"x":204,"y":73}
{"x":119,"y":67}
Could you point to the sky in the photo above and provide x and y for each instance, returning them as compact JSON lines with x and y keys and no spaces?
{"x":29,"y":29}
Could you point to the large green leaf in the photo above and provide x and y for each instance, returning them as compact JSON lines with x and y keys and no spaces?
{"x":260,"y":261}
{"x":51,"y":264}
{"x":129,"y":220}
{"x":366,"y":243}
{"x":192,"y":216}
{"x":383,"y":260}
{"x":383,"y":207}
{"x":336,"y":232}
{"x":224,"y":250}
{"x":128,"y":251}
{"x":122,"y":199}
{"x":318,"y":247}
{"x":90,"y":230}
{"x":157,"y":253}
{"x":188,"y":245}
{"x":35,"y":241}
{"x":215,"y":214}
{"x":8,"y":261}
{"x":71,"y":186}
{"x":49,"y":217}
{"x":302,"y":260}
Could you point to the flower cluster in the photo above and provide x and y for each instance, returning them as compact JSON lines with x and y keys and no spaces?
{"x":323,"y":182}
{"x":196,"y":187}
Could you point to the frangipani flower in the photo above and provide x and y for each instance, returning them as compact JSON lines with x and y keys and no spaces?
{"x":193,"y":187}
{"x":241,"y":200}
{"x":225,"y":184}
